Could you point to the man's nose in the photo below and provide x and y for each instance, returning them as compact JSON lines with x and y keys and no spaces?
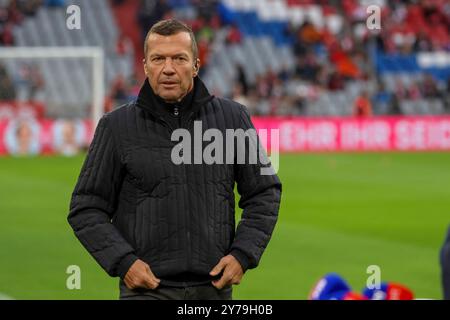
{"x":168,"y":67}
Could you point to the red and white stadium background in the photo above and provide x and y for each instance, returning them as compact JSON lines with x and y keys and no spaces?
{"x":424,"y":133}
{"x":23,"y":131}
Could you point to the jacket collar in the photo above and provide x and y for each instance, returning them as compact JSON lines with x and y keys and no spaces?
{"x":193,"y":101}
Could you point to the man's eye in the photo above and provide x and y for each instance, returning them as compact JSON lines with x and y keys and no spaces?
{"x":158,"y":59}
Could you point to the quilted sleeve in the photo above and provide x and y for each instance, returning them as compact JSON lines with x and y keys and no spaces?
{"x":260,"y":201}
{"x":93,"y":204}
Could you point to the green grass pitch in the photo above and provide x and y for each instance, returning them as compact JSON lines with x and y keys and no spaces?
{"x":339,"y":213}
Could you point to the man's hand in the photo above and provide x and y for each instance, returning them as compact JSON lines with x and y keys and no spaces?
{"x":140,"y":276}
{"x":232,"y":272}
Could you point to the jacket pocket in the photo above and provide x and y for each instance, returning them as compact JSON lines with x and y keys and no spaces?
{"x":225,"y":218}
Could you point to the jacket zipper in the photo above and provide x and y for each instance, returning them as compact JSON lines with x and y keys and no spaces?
{"x":189,"y":120}
{"x":188,"y":233}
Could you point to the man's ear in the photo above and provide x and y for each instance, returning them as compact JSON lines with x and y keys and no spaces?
{"x":196,"y":67}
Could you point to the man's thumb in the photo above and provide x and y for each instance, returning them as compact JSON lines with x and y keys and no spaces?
{"x":217,"y":269}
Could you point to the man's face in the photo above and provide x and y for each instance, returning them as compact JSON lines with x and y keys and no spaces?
{"x":170,"y":66}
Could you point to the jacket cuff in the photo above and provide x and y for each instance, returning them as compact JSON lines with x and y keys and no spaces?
{"x":241,"y":258}
{"x":125,"y":265}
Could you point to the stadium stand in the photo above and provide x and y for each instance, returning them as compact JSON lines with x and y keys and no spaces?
{"x":279,"y":57}
{"x":47,"y":27}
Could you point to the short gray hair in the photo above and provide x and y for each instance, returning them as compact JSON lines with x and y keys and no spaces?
{"x":171,"y":27}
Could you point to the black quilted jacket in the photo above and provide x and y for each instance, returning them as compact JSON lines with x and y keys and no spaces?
{"x":131,"y":201}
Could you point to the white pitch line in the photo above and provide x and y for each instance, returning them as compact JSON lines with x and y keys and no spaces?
{"x":5,"y":297}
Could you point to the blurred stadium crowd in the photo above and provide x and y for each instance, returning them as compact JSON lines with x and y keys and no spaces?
{"x":278,"y":57}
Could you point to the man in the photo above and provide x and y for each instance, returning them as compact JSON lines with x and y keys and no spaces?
{"x":166,"y":229}
{"x":362,"y":106}
{"x":445,"y":266}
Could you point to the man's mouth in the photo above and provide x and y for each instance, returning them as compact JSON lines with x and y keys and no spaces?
{"x":169,"y":83}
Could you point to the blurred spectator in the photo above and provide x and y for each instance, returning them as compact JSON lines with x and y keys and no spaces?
{"x":134,"y":86}
{"x":124,"y":45}
{"x":29,"y":7}
{"x":7,"y":88}
{"x":265,"y":84}
{"x":362,"y":106}
{"x":6,"y":34}
{"x":150,"y":12}
{"x":205,"y":8}
{"x":308,"y":34}
{"x":203,"y":54}
{"x":239,"y":96}
{"x":285,"y":74}
{"x":242,"y":79}
{"x":119,"y":91}
{"x":3,"y":13}
{"x":422,"y":42}
{"x":401,"y":93}
{"x":447,"y":96}
{"x":36,"y":82}
{"x":205,"y":32}
{"x":30,"y":80}
{"x":382,"y":100}
{"x":414,"y":91}
{"x":307,"y":67}
{"x":12,"y":12}
{"x":430,"y":88}
{"x":336,"y":81}
{"x":55,"y":3}
{"x":343,"y":62}
{"x":234,"y":36}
